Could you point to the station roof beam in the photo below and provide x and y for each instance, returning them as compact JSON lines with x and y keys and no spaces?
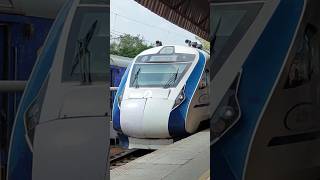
{"x":192,"y":15}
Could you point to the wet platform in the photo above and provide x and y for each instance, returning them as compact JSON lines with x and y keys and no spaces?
{"x":186,"y":159}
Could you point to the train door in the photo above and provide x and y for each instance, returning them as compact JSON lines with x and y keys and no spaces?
{"x":203,"y":91}
{"x":199,"y":106}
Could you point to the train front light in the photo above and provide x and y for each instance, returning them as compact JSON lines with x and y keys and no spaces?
{"x":120,"y":99}
{"x":31,"y":118}
{"x":180,"y":98}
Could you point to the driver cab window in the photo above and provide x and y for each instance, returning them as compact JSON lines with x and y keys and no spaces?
{"x":228,"y":25}
{"x":86,"y":58}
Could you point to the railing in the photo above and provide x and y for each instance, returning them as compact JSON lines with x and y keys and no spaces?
{"x":12,"y":86}
{"x":18,"y":86}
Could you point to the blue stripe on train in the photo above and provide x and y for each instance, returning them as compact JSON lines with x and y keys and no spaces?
{"x":20,"y":156}
{"x":178,"y":116}
{"x":115,"y":109}
{"x":124,"y":140}
{"x":259,"y":75}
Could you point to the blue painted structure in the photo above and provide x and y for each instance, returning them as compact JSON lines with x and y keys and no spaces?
{"x":116,"y":75}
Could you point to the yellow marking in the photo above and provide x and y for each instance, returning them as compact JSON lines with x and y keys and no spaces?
{"x":205,"y":176}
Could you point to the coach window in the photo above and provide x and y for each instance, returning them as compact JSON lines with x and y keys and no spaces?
{"x":306,"y":60}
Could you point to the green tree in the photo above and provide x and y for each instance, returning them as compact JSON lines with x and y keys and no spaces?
{"x":205,"y":44}
{"x":128,"y":46}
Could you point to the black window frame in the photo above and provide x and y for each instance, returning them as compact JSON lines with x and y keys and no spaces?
{"x":252,"y":10}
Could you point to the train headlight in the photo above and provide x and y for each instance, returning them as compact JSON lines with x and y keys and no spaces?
{"x":32,"y":114}
{"x":120,"y":96}
{"x":120,"y":99}
{"x":227,"y":112}
{"x":180,"y":98}
{"x":31,"y":118}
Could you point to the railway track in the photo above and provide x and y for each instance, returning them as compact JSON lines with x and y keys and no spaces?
{"x":126,"y":156}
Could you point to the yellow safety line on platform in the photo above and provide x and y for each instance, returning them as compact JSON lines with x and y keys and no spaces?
{"x":205,"y":176}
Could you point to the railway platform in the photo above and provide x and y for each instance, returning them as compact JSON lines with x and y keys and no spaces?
{"x":186,"y":159}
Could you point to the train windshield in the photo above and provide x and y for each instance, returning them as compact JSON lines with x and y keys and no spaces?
{"x":164,"y":71}
{"x":87,"y":45}
{"x":230,"y":23}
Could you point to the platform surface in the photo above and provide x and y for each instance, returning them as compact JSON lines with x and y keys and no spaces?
{"x":187,"y":159}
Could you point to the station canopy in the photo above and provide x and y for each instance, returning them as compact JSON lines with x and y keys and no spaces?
{"x":38,"y":8}
{"x":192,"y":15}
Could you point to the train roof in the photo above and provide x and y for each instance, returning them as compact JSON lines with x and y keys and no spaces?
{"x":120,"y":61}
{"x":177,"y":49}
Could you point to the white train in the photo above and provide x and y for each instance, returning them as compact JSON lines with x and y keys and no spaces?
{"x":62,"y":117}
{"x":275,"y":46}
{"x":163,"y":96}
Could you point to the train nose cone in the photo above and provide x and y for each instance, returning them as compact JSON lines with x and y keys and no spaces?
{"x":146,"y":118}
{"x":131,"y":116}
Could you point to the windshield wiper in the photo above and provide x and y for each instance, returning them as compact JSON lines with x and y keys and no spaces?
{"x":172,"y":79}
{"x":135,"y":80}
{"x":83,"y":56}
{"x":215,"y":34}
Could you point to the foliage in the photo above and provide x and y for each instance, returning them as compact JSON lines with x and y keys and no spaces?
{"x":128,"y":46}
{"x":205,"y":44}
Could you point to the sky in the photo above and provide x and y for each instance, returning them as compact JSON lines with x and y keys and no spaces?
{"x":128,"y":16}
